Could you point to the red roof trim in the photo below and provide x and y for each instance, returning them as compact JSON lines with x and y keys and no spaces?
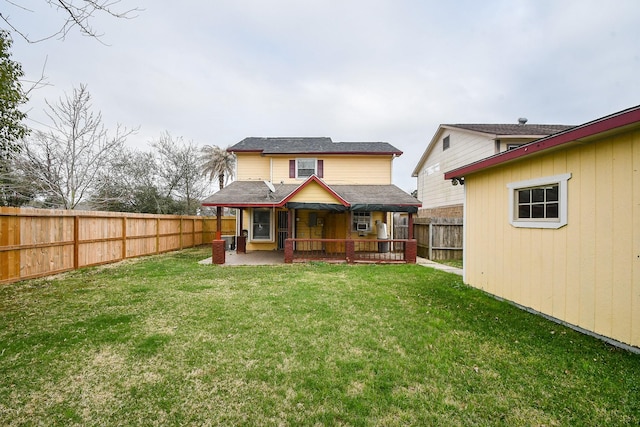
{"x":397,"y":153}
{"x":611,"y":122}
{"x":322,"y":153}
{"x":243,"y":205}
{"x":317,"y":180}
{"x":245,"y":151}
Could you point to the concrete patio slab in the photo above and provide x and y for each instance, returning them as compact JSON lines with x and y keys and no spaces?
{"x":232,"y":258}
{"x":428,"y":263}
{"x":277,"y":257}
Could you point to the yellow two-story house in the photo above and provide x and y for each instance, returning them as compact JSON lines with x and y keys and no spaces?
{"x":312,"y":190}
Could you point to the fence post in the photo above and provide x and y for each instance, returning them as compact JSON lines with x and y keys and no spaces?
{"x":431,"y":241}
{"x":124,"y":237}
{"x":76,"y":243}
{"x":158,"y":235}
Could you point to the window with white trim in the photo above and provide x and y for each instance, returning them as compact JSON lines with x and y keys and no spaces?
{"x":539,"y":203}
{"x":361,"y":221}
{"x":305,"y":167}
{"x":261,"y":224}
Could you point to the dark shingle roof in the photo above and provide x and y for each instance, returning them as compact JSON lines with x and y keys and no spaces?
{"x":514,"y":129}
{"x":311,"y":145}
{"x":250,"y":192}
{"x":257,"y":193}
{"x":374,"y":194}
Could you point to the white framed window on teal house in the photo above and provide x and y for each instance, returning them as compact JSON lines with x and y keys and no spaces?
{"x":539,"y":202}
{"x":261,"y":225}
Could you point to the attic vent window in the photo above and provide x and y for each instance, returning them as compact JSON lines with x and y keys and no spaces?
{"x":445,"y":143}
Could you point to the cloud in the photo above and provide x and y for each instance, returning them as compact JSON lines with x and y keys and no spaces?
{"x":216,"y":72}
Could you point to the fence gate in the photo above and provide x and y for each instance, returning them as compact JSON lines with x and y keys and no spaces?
{"x":439,"y":238}
{"x":400,"y":227}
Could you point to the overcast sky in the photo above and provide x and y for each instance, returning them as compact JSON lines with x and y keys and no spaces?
{"x":217,"y":71}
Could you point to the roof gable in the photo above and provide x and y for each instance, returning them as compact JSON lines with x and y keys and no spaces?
{"x":491,"y":131}
{"x":614,"y":123}
{"x":313,"y":181}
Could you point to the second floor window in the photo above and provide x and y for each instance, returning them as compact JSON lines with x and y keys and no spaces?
{"x":446,"y":143}
{"x":305,"y":167}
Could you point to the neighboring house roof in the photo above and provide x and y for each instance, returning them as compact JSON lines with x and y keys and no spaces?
{"x":311,"y":145}
{"x":241,"y":194}
{"x":513,"y":130}
{"x":617,"y":122}
{"x":493,"y":131}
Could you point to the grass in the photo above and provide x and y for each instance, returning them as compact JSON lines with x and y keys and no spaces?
{"x":165,"y":341}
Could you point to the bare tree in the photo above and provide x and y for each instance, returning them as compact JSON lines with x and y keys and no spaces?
{"x":75,"y":14}
{"x":179,"y":172}
{"x":130,"y":184}
{"x":63,"y":164}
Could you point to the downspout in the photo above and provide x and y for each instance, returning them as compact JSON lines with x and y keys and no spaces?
{"x":464,"y":235}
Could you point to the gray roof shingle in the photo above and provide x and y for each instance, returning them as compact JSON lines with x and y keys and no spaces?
{"x":513,"y":129}
{"x":250,"y":192}
{"x":257,"y":193}
{"x":311,"y":145}
{"x":374,"y":194}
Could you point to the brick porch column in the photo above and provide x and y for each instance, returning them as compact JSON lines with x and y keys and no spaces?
{"x":350,"y":249}
{"x":411,"y":251}
{"x":288,"y":251}
{"x":217,"y":249}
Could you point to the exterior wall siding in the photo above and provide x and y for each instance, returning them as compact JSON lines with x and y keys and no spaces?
{"x":314,"y":193}
{"x":373,"y":170}
{"x":586,"y":273}
{"x":252,"y":166}
{"x":433,"y":190}
{"x":337,"y":169}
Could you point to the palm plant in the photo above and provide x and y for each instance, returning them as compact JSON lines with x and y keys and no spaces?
{"x":217,"y":163}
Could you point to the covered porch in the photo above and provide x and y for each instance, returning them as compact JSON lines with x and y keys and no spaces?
{"x":316,"y":222}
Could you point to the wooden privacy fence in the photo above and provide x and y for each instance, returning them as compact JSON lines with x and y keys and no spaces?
{"x":39,"y":242}
{"x":438,"y":238}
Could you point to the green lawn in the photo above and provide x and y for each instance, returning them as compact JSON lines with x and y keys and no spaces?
{"x":166,"y":341}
